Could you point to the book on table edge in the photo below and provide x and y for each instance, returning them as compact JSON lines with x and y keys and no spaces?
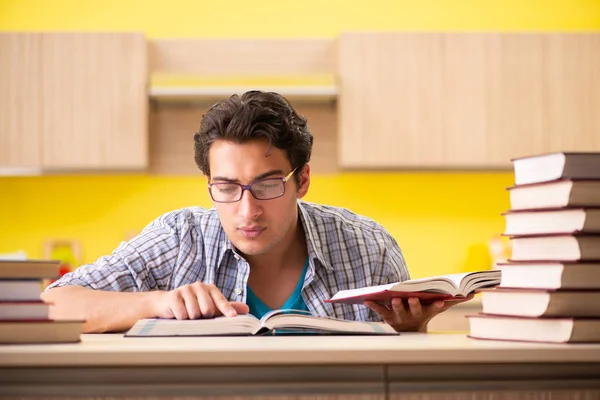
{"x":528,"y":329}
{"x":40,"y":331}
{"x":274,"y":322}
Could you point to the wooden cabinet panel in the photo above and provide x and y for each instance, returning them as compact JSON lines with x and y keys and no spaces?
{"x":390,"y":100}
{"x":465,"y":100}
{"x":572,"y":64}
{"x":94,"y":111}
{"x":20,"y":100}
{"x":172,"y":128}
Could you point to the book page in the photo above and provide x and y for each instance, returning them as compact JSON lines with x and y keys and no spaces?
{"x":456,"y":279}
{"x":313,"y":323}
{"x":481,"y":279}
{"x":280,"y":311}
{"x":239,"y":325}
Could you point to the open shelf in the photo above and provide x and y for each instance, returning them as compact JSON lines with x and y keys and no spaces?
{"x":312,"y":94}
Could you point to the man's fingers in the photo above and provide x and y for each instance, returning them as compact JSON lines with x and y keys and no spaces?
{"x":221,"y":304}
{"x":384,"y":313}
{"x":191,"y":304}
{"x":177,"y":307}
{"x":240,"y":308}
{"x":435,"y":308}
{"x":415,"y":308}
{"x":206,"y":304}
{"x":457,"y":300}
{"x":399,"y":308}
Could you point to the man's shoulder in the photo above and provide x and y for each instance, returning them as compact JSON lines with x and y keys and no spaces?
{"x":193,"y":216}
{"x":322,"y":216}
{"x":344,"y":240}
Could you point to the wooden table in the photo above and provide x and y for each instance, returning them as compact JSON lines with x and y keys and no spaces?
{"x":412,"y":365}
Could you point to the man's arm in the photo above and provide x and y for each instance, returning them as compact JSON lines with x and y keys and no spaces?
{"x":410,"y":315}
{"x":134,"y":282}
{"x":103,"y":311}
{"x":106,"y":311}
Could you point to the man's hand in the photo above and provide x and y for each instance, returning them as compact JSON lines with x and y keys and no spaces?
{"x":197,"y":300}
{"x":413,"y":317}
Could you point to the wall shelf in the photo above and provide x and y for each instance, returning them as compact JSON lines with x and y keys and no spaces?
{"x":308,"y":94}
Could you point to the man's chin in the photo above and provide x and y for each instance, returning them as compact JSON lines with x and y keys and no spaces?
{"x":251,"y":249}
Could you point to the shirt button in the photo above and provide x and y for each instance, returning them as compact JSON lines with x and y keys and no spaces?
{"x":238,"y":291}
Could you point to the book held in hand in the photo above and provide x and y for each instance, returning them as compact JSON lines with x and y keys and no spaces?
{"x":272,"y":323}
{"x":426,"y":289}
{"x":555,"y":194}
{"x":551,"y":330}
{"x":566,"y":221}
{"x":559,"y":165}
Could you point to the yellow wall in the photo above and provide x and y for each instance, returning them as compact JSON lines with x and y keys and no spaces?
{"x":441,"y":220}
{"x":293,"y":18}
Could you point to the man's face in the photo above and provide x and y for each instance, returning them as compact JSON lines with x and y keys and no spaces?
{"x":255,"y":226}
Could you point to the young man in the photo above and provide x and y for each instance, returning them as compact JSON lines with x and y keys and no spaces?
{"x":261,"y":247}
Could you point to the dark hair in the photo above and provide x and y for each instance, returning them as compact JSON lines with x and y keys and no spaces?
{"x":254,"y":115}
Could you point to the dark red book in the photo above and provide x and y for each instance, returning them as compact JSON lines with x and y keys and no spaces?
{"x":426,"y":289}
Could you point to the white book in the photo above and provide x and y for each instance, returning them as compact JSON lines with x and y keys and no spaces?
{"x":555,"y":194}
{"x":274,"y":322}
{"x":551,"y":330}
{"x":554,"y":166}
{"x":550,"y":275}
{"x":20,"y":290}
{"x":564,"y":221}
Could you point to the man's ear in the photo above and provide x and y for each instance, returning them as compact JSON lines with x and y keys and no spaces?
{"x":304,"y":181}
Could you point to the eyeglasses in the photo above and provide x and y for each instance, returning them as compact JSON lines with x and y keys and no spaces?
{"x":265,"y":189}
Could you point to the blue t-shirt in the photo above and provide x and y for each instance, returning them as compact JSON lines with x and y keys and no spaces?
{"x":295,"y":302}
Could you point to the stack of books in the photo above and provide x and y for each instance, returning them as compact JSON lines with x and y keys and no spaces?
{"x":550,"y":287}
{"x":24,"y":317}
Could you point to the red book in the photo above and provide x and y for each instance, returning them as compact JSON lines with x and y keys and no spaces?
{"x":426,"y":289}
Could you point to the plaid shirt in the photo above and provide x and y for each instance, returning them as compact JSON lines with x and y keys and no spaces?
{"x":346,"y":251}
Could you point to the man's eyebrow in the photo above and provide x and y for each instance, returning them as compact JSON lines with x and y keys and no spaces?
{"x":268,"y":174}
{"x":256,"y":178}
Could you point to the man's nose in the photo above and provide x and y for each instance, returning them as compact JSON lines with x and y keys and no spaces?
{"x":249,"y":207}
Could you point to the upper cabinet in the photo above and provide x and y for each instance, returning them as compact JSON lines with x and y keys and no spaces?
{"x":472,"y":100}
{"x":20,"y":101}
{"x":74,"y":101}
{"x":80,"y":101}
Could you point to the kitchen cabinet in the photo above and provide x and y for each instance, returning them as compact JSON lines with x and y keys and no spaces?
{"x":465,"y":100}
{"x":20,"y":97}
{"x":75,"y":101}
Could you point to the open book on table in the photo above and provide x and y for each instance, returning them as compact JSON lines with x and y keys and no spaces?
{"x":427,"y":290}
{"x":274,"y":322}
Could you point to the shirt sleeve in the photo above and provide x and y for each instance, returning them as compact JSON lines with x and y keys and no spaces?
{"x":393,"y":260}
{"x":144,"y":263}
